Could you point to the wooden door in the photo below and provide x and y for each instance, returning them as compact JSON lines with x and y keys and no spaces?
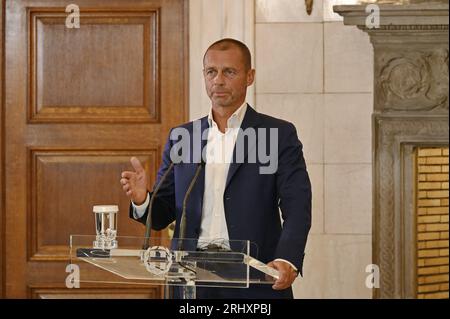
{"x":78,"y":103}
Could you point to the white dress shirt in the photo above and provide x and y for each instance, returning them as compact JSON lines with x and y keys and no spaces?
{"x":219,"y":152}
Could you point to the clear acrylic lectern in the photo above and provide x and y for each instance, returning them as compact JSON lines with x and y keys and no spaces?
{"x":188,"y":263}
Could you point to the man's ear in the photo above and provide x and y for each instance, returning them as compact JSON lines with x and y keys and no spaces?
{"x":250,"y":77}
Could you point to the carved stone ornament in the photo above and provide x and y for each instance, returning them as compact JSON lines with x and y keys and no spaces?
{"x":413,"y":80}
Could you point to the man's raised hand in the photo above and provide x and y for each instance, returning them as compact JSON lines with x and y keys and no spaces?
{"x":135,"y":183}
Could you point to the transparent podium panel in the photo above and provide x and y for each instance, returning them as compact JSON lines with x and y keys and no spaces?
{"x":173,"y":262}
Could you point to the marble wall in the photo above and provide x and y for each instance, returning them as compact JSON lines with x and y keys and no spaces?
{"x":317,"y":73}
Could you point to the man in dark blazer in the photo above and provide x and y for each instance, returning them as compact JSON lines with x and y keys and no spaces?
{"x":238,"y":200}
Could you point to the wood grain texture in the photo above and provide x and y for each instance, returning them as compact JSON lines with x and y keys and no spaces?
{"x":53,"y":213}
{"x":2,"y":154}
{"x":107,"y":70}
{"x":64,"y":149}
{"x":93,"y":292}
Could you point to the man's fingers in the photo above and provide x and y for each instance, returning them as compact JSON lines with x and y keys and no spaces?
{"x":136,"y":165}
{"x":280,"y":286}
{"x":134,"y":184}
{"x":286,"y":276}
{"x":127,"y":174}
{"x":281,"y":281}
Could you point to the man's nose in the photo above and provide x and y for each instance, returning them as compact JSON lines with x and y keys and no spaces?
{"x":219,"y":79}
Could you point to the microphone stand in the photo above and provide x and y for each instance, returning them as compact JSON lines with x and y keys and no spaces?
{"x":189,"y":289}
{"x":148,"y":224}
{"x":183,"y":215}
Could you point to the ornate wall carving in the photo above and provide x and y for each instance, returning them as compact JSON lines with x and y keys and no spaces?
{"x":412,"y":80}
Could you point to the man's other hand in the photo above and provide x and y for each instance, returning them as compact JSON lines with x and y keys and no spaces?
{"x":135,"y":183}
{"x":287,"y":274}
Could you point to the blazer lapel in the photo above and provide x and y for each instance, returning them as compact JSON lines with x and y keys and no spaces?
{"x":204,"y":126}
{"x":200,"y":184}
{"x":250,"y":121}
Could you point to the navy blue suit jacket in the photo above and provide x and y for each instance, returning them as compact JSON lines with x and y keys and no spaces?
{"x":251,"y":200}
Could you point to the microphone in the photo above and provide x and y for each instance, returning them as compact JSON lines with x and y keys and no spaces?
{"x":186,"y":197}
{"x":148,"y":224}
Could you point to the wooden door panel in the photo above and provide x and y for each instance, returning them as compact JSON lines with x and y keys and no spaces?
{"x":78,"y":104}
{"x":104,"y":71}
{"x":58,"y":174}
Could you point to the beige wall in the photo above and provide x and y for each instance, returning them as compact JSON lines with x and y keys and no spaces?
{"x":316,"y":73}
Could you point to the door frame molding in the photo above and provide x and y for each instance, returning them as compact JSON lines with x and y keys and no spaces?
{"x":2,"y":151}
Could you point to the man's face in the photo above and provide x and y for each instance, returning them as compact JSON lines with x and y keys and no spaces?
{"x":226,"y":78}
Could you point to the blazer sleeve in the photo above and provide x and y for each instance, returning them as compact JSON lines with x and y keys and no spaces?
{"x":163,"y":211}
{"x":294,"y":194}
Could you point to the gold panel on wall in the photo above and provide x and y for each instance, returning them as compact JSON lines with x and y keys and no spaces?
{"x":64,"y":185}
{"x":432,"y":182}
{"x":105,"y":71}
